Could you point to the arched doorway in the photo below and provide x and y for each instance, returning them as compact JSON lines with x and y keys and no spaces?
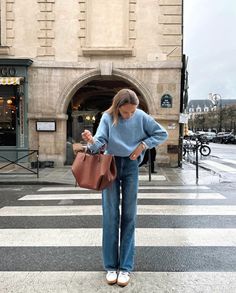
{"x":88,"y":103}
{"x":88,"y":100}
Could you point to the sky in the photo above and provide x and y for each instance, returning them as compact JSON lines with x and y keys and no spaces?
{"x":210,"y":46}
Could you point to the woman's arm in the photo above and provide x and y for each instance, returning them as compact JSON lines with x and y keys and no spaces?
{"x":156,"y":133}
{"x":95,"y":143}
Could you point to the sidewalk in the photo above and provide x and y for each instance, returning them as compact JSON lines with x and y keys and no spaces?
{"x":165,"y":176}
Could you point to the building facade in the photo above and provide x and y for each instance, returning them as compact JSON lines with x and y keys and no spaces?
{"x":208,"y":115}
{"x":63,"y":61}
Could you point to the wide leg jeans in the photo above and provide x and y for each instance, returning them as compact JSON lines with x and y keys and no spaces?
{"x":119,"y":220}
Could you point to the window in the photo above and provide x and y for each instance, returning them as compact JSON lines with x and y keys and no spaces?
{"x":191,"y":110}
{"x":198,"y":109}
{"x":7,"y":116}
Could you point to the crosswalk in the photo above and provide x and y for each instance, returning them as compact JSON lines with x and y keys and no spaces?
{"x":50,"y":241}
{"x":220,"y":165}
{"x":220,"y":161}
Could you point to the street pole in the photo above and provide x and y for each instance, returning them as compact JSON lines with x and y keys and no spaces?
{"x":197,"y":145}
{"x":217,"y":101}
{"x":220,"y":128}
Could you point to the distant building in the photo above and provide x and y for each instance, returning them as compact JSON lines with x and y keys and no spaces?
{"x":202,"y":116}
{"x":204,"y":106}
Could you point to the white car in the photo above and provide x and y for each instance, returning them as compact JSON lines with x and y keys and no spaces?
{"x":210,"y":135}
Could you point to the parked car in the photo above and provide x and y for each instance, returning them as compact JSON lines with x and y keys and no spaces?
{"x":201,"y":136}
{"x":210,"y":136}
{"x":229,"y":138}
{"x":225,"y":137}
{"x":190,"y":135}
{"x":200,"y":132}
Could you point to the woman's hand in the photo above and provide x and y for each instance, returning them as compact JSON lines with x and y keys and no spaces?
{"x":87,"y":136}
{"x":137,"y":152}
{"x":78,"y":147}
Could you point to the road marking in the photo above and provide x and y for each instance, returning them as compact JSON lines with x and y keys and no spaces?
{"x":93,"y":237}
{"x":153,"y":188}
{"x":176,"y":187}
{"x":229,"y":161}
{"x":66,"y":196}
{"x":219,"y":166}
{"x":76,"y":210}
{"x":154,"y":177}
{"x":94,"y":281}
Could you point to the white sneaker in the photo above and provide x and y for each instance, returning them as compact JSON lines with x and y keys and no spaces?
{"x":111,"y":277}
{"x":123,"y":279}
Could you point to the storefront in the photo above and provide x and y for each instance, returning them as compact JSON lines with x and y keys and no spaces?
{"x":13,"y":106}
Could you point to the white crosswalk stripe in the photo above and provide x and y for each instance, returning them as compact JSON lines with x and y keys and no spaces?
{"x":154,"y":177}
{"x":153,"y":188}
{"x":78,"y":210}
{"x":90,"y":282}
{"x":143,"y":195}
{"x":219,"y":166}
{"x":92,"y":237}
{"x":229,"y":161}
{"x":173,"y":204}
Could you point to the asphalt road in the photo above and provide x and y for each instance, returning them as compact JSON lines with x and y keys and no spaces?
{"x":221,"y":161}
{"x":186,"y":240}
{"x":223,"y":151}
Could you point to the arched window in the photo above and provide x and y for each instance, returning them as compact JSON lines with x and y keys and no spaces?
{"x":198,"y":109}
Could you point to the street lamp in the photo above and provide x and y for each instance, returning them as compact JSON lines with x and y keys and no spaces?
{"x":217,"y":100}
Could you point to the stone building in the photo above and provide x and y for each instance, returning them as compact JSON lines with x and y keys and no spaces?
{"x":61,"y":62}
{"x":200,"y":106}
{"x":219,"y":115}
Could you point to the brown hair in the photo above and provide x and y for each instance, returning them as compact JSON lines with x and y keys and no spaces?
{"x":124,"y":96}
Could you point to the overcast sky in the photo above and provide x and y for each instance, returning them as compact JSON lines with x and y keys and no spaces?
{"x":210,"y":45}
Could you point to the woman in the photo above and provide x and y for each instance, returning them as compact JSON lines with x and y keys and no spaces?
{"x":126,"y":132}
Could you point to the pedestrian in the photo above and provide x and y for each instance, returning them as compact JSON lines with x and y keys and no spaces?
{"x":126,"y":132}
{"x":150,"y":160}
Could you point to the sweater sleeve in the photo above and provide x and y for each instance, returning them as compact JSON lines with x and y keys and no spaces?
{"x":101,"y":136}
{"x":156,"y":133}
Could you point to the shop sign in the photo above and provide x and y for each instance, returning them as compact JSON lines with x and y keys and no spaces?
{"x":7,"y":71}
{"x":166,"y":101}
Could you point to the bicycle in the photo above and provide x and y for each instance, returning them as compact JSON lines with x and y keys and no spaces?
{"x":189,"y":146}
{"x":205,"y":150}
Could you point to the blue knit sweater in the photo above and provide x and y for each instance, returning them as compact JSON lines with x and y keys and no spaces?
{"x":122,"y":139}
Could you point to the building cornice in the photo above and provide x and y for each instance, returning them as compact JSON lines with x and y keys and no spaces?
{"x":94,"y":65}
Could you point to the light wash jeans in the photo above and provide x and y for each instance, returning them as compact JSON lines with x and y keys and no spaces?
{"x":118,"y":248}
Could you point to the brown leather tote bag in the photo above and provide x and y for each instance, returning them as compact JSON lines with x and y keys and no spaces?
{"x":94,"y":171}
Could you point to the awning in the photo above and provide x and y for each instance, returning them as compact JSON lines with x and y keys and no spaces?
{"x":10,"y":80}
